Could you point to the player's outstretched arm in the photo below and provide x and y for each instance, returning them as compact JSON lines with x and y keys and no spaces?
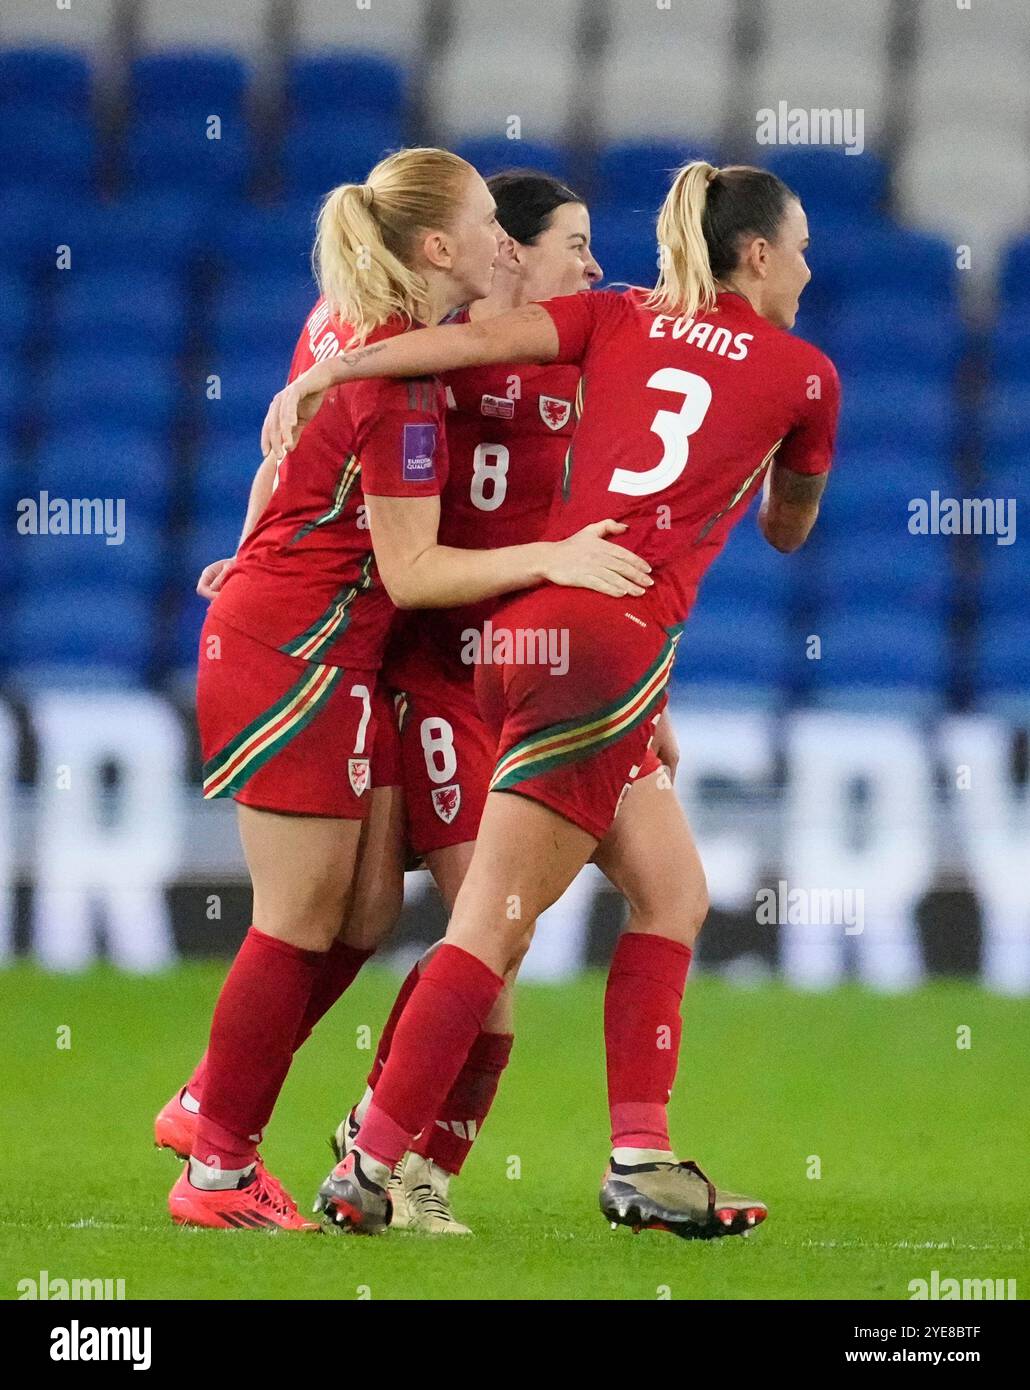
{"x":527,"y":334}
{"x":790,"y":505}
{"x":419,"y":573}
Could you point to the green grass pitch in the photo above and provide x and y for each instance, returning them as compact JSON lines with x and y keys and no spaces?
{"x":921,"y":1145}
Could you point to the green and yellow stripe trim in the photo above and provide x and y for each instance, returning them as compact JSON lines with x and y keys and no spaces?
{"x":577,"y":411}
{"x":232,"y":768}
{"x":738,"y":494}
{"x":349,"y":474}
{"x":316,"y":640}
{"x":580,"y":738}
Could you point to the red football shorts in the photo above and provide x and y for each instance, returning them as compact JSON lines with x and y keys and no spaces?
{"x":574,"y":682}
{"x":282,"y":734}
{"x":448,"y":756}
{"x":386,"y":753}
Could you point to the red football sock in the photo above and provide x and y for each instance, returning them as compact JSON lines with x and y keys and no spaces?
{"x":256,"y":1021}
{"x":642,"y":1028}
{"x":442,"y":1020}
{"x":386,"y":1037}
{"x":449,"y":1139}
{"x":337,"y":972}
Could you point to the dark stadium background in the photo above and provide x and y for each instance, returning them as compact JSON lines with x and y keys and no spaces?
{"x":186,"y":260}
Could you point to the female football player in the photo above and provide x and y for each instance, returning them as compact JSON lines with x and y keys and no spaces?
{"x":293,"y":642}
{"x":693,"y":394}
{"x":508,"y":431}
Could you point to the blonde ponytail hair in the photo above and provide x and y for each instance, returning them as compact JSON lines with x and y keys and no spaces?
{"x":703,"y":227}
{"x":685,"y":282}
{"x":367,"y":234}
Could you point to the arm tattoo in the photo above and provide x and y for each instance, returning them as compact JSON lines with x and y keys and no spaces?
{"x":352,"y":359}
{"x":797,"y":489}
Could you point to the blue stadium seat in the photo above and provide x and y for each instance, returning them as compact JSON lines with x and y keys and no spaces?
{"x":1006,"y":418}
{"x":144,"y":230}
{"x":637,"y":173}
{"x":248,"y":383}
{"x":884,"y":408}
{"x":14,"y":478}
{"x":832,"y":182}
{"x":119,"y":310}
{"x":263,"y":240}
{"x":185,"y":635}
{"x":133,"y":391}
{"x":135,"y":566}
{"x":748,"y":566}
{"x":173,"y":151}
{"x":877,"y":255}
{"x":18,"y":313}
{"x":1005,"y":579}
{"x":734,"y":644}
{"x":225,"y":468}
{"x":81,"y":623}
{"x":346,"y":83}
{"x":109,"y":462}
{"x":1010,"y":344}
{"x":8,"y":557}
{"x":31,"y":225}
{"x":873,"y":651}
{"x":625,"y":246}
{"x":51,"y":79}
{"x":873,"y":332}
{"x":1003,"y":665}
{"x":212,"y":539}
{"x":492,"y":154}
{"x":270,"y":310}
{"x":871,"y":488}
{"x":15,"y":405}
{"x":47,"y":149}
{"x":322,"y":151}
{"x":1015,"y":272}
{"x":813,"y":322}
{"x":859,"y":570}
{"x":1004,"y":474}
{"x":14,"y":483}
{"x":36,"y":678}
{"x":200,"y":82}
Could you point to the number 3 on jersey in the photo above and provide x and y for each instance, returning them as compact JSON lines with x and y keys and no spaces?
{"x":489,"y":476}
{"x":673,"y":428}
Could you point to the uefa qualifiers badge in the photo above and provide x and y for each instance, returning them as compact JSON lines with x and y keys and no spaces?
{"x":447,"y":802}
{"x":417,"y":449}
{"x":358,"y":771}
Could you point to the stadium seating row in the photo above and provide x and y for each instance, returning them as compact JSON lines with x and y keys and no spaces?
{"x":757,"y":651}
{"x":958,"y":74}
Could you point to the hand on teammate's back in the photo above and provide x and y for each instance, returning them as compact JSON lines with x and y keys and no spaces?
{"x":292,"y":408}
{"x":587,"y":561}
{"x":212,"y":578}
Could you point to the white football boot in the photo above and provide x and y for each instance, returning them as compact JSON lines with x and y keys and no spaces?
{"x":424,"y":1192}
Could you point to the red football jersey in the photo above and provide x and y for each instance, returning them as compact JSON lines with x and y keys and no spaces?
{"x":508,"y":431}
{"x":321,"y":337}
{"x":681,"y":417}
{"x":305,"y":579}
